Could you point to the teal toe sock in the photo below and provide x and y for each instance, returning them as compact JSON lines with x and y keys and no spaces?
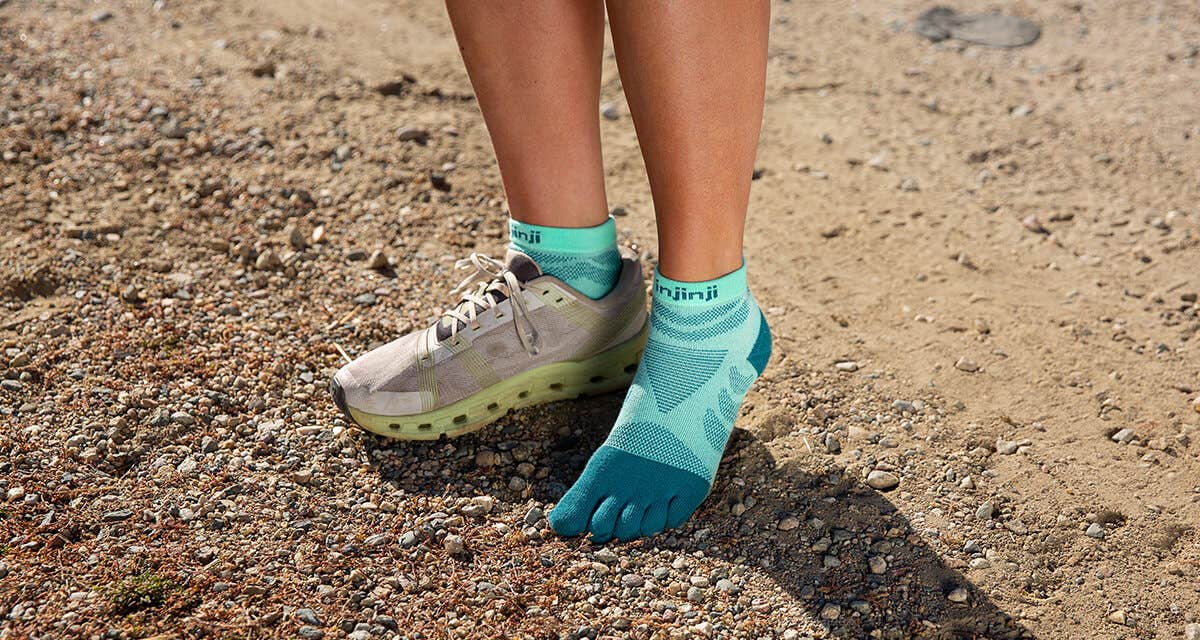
{"x":586,"y":258}
{"x":708,"y":342}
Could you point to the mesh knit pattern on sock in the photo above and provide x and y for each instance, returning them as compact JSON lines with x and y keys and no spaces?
{"x":702,"y":355}
{"x":586,"y":259}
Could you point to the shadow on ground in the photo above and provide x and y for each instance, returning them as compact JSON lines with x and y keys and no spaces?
{"x":821,"y":564}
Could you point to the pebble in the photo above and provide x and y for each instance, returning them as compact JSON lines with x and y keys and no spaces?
{"x":1118,"y":617}
{"x":877,"y":564}
{"x":787,"y":524}
{"x":454,"y":544}
{"x":958,"y":595}
{"x":413,"y":134}
{"x":1191,"y":631}
{"x":846,"y":365}
{"x":633,"y":580}
{"x":534,"y":516}
{"x":882,"y":480}
{"x":117,"y":516}
{"x":695,"y":594}
{"x":831,"y":611}
{"x":378,"y":261}
{"x":267,"y":261}
{"x":103,"y":15}
{"x":309,"y":632}
{"x":966,"y":364}
{"x":379,"y":539}
{"x":15,"y":493}
{"x":366,"y":300}
{"x":307,"y":615}
{"x":985,"y":511}
{"x":1095,"y":530}
{"x":1124,"y":436}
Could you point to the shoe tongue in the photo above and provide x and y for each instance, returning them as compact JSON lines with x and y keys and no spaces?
{"x":521,"y":266}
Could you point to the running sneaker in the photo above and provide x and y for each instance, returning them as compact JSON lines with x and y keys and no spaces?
{"x":517,"y":338}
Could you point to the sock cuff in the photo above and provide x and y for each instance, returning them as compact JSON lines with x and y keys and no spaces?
{"x":580,"y":240}
{"x":726,"y":287}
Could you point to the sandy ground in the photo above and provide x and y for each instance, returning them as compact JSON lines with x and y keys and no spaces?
{"x":981,"y":269}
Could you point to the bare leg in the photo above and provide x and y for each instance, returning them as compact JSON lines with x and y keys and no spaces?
{"x":694,"y":74}
{"x":535,"y":67}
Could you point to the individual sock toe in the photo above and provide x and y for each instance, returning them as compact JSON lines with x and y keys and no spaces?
{"x":571,"y":515}
{"x":655,"y":519}
{"x":680,"y":509}
{"x":629,"y":526}
{"x":604,"y":520}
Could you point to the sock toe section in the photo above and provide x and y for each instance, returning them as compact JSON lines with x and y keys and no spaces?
{"x":629,"y":526}
{"x":684,"y":504}
{"x":632,"y":495}
{"x":571,"y":515}
{"x":655,"y":519}
{"x":604,"y":520}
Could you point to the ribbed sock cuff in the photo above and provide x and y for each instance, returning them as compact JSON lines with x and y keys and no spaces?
{"x":579,"y":240}
{"x":726,"y":287}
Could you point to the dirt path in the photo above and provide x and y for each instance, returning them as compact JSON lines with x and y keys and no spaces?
{"x":981,"y":267}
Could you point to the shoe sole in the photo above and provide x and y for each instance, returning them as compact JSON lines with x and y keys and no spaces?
{"x":607,"y":371}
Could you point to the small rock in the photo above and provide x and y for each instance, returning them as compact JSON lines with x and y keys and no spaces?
{"x":966,"y":364}
{"x":1118,"y":617}
{"x":378,"y":260}
{"x":454,"y":544}
{"x":413,"y":134}
{"x":104,"y":15}
{"x":377,"y":540}
{"x":15,"y":493}
{"x":118,"y":515}
{"x":695,"y":594}
{"x":1124,"y":436}
{"x":985,"y":511}
{"x":311,"y":633}
{"x":633,"y":580}
{"x":1191,"y":631}
{"x":788,"y":524}
{"x":831,"y":611}
{"x":1095,"y":530}
{"x":882,"y":480}
{"x":1032,"y":223}
{"x":295,"y":237}
{"x":307,"y":615}
{"x":877,"y":564}
{"x":846,"y":365}
{"x":958,"y":595}
{"x":366,"y":299}
{"x":534,"y":516}
{"x":267,"y":261}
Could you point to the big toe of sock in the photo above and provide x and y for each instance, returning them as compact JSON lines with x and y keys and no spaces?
{"x":624,"y":496}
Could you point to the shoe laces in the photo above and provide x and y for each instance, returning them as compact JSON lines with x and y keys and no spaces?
{"x":489,"y":278}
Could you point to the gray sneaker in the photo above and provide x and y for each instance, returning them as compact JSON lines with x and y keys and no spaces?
{"x":519,"y":338}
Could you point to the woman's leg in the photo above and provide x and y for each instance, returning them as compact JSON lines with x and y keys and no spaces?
{"x":694,"y":73}
{"x":535,"y":68}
